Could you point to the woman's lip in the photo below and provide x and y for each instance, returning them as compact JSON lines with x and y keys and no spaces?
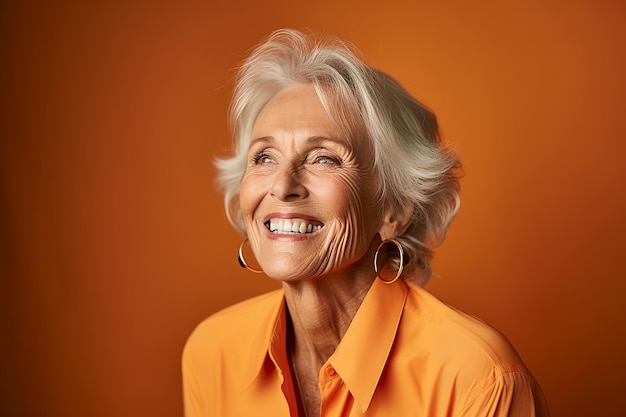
{"x":289,"y":216}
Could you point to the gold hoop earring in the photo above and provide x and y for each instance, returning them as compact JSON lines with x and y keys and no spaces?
{"x":400,"y":268}
{"x":242,"y":261}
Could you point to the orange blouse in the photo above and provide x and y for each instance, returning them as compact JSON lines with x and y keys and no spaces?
{"x":405,"y":354}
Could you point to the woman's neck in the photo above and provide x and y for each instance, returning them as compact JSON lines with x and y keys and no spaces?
{"x":321,"y":311}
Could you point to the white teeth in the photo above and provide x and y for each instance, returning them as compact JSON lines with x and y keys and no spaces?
{"x":288,"y":226}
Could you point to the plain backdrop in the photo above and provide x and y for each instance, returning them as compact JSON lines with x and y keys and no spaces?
{"x":113,"y":241}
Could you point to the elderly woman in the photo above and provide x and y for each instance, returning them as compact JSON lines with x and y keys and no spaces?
{"x":342,"y":186}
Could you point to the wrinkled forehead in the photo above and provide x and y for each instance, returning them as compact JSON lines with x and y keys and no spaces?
{"x":293,"y":107}
{"x":316,"y":108}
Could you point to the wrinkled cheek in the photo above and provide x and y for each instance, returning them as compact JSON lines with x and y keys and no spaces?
{"x":344,"y":244}
{"x":351,"y":234}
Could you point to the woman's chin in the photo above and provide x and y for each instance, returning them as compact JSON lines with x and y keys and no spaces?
{"x":287,"y":275}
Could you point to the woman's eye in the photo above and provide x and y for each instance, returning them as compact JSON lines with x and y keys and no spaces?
{"x":261,"y":158}
{"x":327,"y":160}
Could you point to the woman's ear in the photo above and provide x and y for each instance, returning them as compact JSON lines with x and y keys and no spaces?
{"x":396,"y":220}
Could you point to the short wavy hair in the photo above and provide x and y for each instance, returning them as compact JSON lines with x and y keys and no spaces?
{"x":412,"y":163}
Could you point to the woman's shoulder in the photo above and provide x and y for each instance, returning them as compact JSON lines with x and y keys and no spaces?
{"x":458,"y":336}
{"x":238,"y":321}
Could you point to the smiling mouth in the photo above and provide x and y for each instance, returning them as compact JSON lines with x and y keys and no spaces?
{"x":293,"y":226}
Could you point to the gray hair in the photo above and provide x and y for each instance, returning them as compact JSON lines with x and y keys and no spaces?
{"x":414,"y":166}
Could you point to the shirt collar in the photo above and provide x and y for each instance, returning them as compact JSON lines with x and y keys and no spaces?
{"x":368,"y":340}
{"x":361,"y":356}
{"x":270,"y":337}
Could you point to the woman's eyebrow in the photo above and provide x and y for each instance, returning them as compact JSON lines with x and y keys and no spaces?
{"x":262,"y":140}
{"x":318,"y":140}
{"x":310,"y":141}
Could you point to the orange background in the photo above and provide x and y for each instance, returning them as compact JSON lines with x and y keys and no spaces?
{"x":114,"y":243}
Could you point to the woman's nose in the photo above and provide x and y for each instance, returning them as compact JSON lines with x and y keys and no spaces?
{"x":287,"y":185}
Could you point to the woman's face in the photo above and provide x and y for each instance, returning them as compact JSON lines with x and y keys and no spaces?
{"x":308,"y":194}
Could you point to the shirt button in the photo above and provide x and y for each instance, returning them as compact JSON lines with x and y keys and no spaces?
{"x":330,"y":371}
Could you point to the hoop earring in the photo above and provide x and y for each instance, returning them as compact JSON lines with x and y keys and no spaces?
{"x":242,"y":261}
{"x":400,"y":268}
